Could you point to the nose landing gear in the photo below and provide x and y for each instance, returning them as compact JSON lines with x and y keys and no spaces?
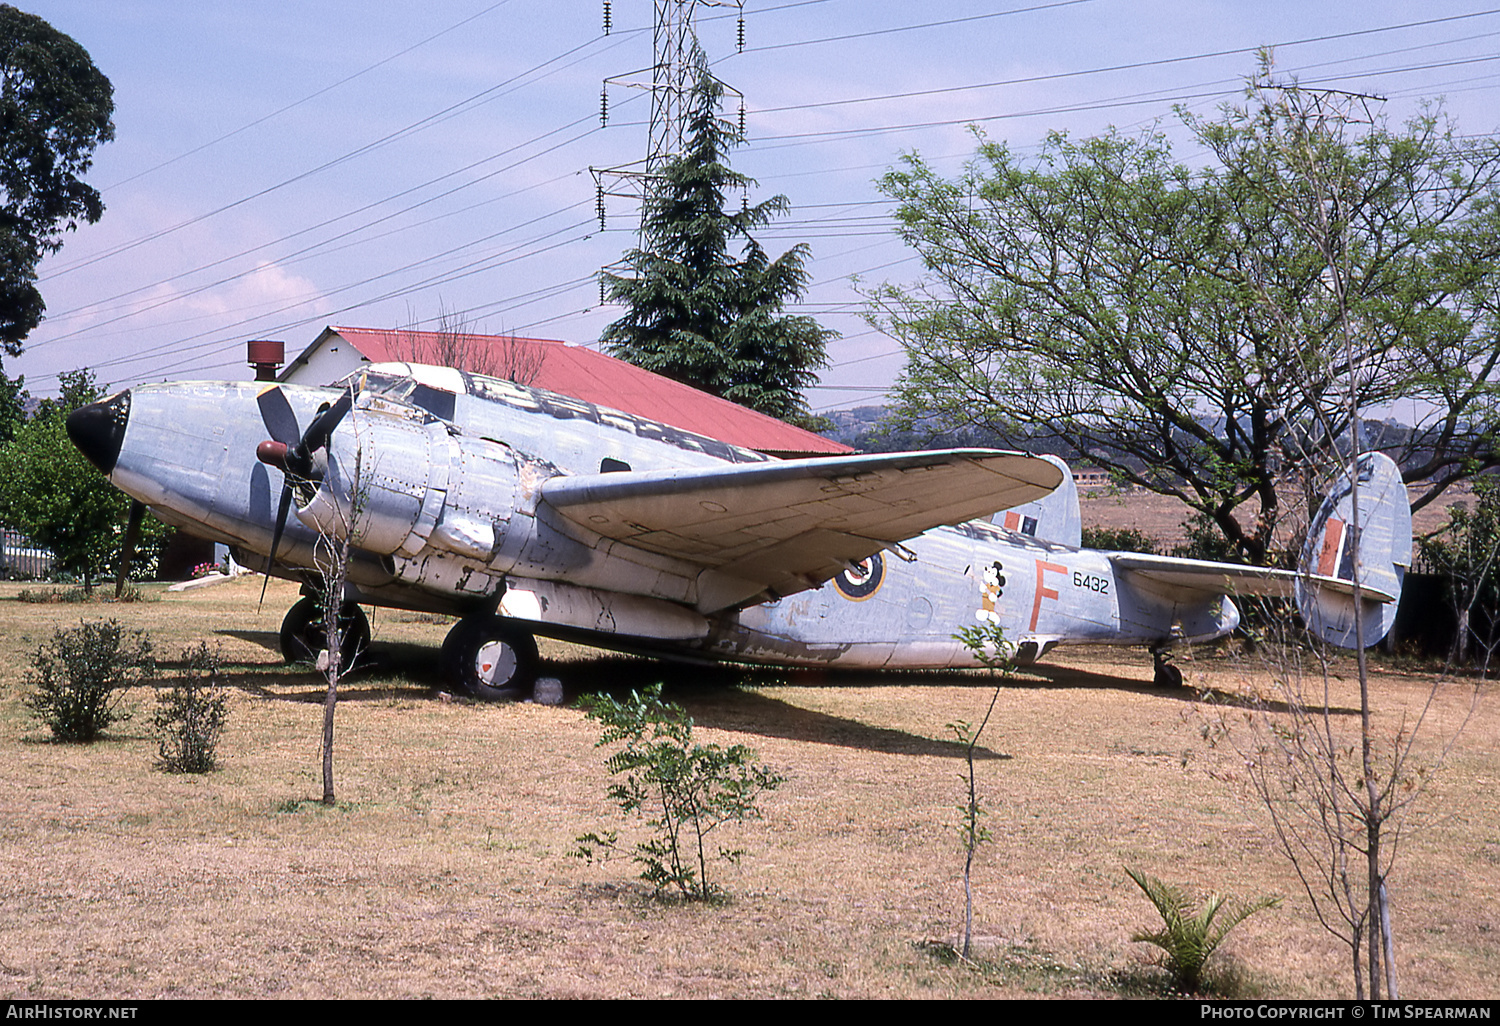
{"x":303,"y":632}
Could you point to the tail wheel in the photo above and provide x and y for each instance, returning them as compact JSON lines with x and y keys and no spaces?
{"x":1165,"y":675}
{"x":490,"y":659}
{"x":303,"y":634}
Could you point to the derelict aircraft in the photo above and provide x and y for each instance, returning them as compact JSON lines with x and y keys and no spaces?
{"x":524,"y":512}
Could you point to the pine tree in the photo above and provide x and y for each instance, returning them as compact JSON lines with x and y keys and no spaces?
{"x":696,"y":313}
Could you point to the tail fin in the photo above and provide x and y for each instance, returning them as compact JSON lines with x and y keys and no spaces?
{"x":1052,"y":518}
{"x":1325,"y":592}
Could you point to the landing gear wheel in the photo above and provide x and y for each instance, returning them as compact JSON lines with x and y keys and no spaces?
{"x":490,"y":659}
{"x":1167,"y":675}
{"x":303,"y":635}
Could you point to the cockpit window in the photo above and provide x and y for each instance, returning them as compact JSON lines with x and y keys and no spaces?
{"x":391,"y":386}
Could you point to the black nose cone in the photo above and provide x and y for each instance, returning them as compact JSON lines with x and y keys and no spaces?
{"x":98,"y":429}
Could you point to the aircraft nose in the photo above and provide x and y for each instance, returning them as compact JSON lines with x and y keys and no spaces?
{"x":98,"y":429}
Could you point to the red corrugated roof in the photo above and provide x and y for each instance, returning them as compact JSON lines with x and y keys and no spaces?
{"x":605,"y":381}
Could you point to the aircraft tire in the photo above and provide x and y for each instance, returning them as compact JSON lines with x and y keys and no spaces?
{"x":491,"y":659}
{"x":302,"y":632}
{"x":1166,"y":674}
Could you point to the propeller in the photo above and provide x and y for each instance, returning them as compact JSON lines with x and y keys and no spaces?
{"x":292,"y":452}
{"x":127,"y":548}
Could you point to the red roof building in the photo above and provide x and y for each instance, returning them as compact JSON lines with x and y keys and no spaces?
{"x":559,"y":367}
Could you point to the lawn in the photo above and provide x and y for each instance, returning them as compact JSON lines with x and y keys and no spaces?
{"x":444,"y":869}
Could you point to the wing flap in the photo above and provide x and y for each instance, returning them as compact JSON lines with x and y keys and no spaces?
{"x":790,"y":525}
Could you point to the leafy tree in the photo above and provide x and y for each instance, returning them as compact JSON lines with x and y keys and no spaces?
{"x":55,"y":108}
{"x":51,"y":494}
{"x":1464,"y":553}
{"x":684,"y":790}
{"x":1174,"y":323}
{"x":697,"y":313}
{"x":13,"y":397}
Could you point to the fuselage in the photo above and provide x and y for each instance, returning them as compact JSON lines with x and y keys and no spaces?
{"x":454,"y":522}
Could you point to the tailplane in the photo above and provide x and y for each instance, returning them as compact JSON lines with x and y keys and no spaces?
{"x":1325,"y":591}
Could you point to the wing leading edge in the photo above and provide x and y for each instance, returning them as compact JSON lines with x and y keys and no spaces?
{"x":786,"y":526}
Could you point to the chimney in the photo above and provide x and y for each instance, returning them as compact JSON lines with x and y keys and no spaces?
{"x":266,"y":357}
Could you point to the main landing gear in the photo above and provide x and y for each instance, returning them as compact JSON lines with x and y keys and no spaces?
{"x":490,"y":658}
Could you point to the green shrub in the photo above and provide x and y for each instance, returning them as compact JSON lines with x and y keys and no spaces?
{"x":1190,"y":934}
{"x":1206,"y":541}
{"x":1120,"y":539}
{"x":76,"y":679}
{"x":684,"y":790}
{"x":190,"y":716}
{"x":73,"y":596}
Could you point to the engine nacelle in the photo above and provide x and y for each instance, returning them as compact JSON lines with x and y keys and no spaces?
{"x":411,"y":490}
{"x":455,"y":514}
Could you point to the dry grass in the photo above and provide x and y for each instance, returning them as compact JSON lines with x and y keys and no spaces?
{"x":444,"y":869}
{"x":1162,"y":517}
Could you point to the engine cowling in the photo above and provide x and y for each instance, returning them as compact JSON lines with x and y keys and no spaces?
{"x":456,"y":513}
{"x":452,"y":511}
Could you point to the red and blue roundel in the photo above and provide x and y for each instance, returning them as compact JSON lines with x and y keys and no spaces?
{"x":863,"y":580}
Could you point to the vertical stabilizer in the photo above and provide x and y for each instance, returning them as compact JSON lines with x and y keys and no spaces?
{"x":1384,"y":554}
{"x":1052,"y":518}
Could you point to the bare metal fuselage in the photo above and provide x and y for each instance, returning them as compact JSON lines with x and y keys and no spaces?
{"x":456,"y":520}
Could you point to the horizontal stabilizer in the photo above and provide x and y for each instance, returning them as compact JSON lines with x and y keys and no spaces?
{"x":1324,"y":582}
{"x":785,"y":526}
{"x":1202,"y":576}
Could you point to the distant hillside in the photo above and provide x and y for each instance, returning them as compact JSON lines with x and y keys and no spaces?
{"x":863,"y":428}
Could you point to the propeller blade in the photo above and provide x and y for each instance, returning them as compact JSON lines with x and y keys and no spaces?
{"x":324,"y":423}
{"x":127,"y":549}
{"x":276,"y":413}
{"x":281,"y":513}
{"x":291,"y":453}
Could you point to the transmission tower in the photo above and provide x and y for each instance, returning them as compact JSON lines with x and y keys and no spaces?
{"x":670,"y":82}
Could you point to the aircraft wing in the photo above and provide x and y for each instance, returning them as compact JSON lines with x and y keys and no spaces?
{"x":1198,"y":575}
{"x":789,"y":525}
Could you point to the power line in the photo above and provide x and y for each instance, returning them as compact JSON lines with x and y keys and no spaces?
{"x":466,"y":270}
{"x":309,"y":97}
{"x":409,"y":129}
{"x":914,"y":28}
{"x":1133,"y":66}
{"x":314,"y":248}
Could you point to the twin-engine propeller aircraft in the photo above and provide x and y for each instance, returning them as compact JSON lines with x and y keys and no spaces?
{"x":527,"y":513}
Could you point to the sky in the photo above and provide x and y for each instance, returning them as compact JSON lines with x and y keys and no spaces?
{"x":281,"y":166}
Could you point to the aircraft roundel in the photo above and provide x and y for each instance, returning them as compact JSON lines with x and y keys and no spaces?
{"x":863,"y":580}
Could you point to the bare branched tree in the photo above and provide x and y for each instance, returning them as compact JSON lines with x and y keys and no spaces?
{"x":343,"y":630}
{"x":1339,"y":793}
{"x":453,"y":342}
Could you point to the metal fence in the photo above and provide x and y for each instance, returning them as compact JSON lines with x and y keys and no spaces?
{"x":20,"y":558}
